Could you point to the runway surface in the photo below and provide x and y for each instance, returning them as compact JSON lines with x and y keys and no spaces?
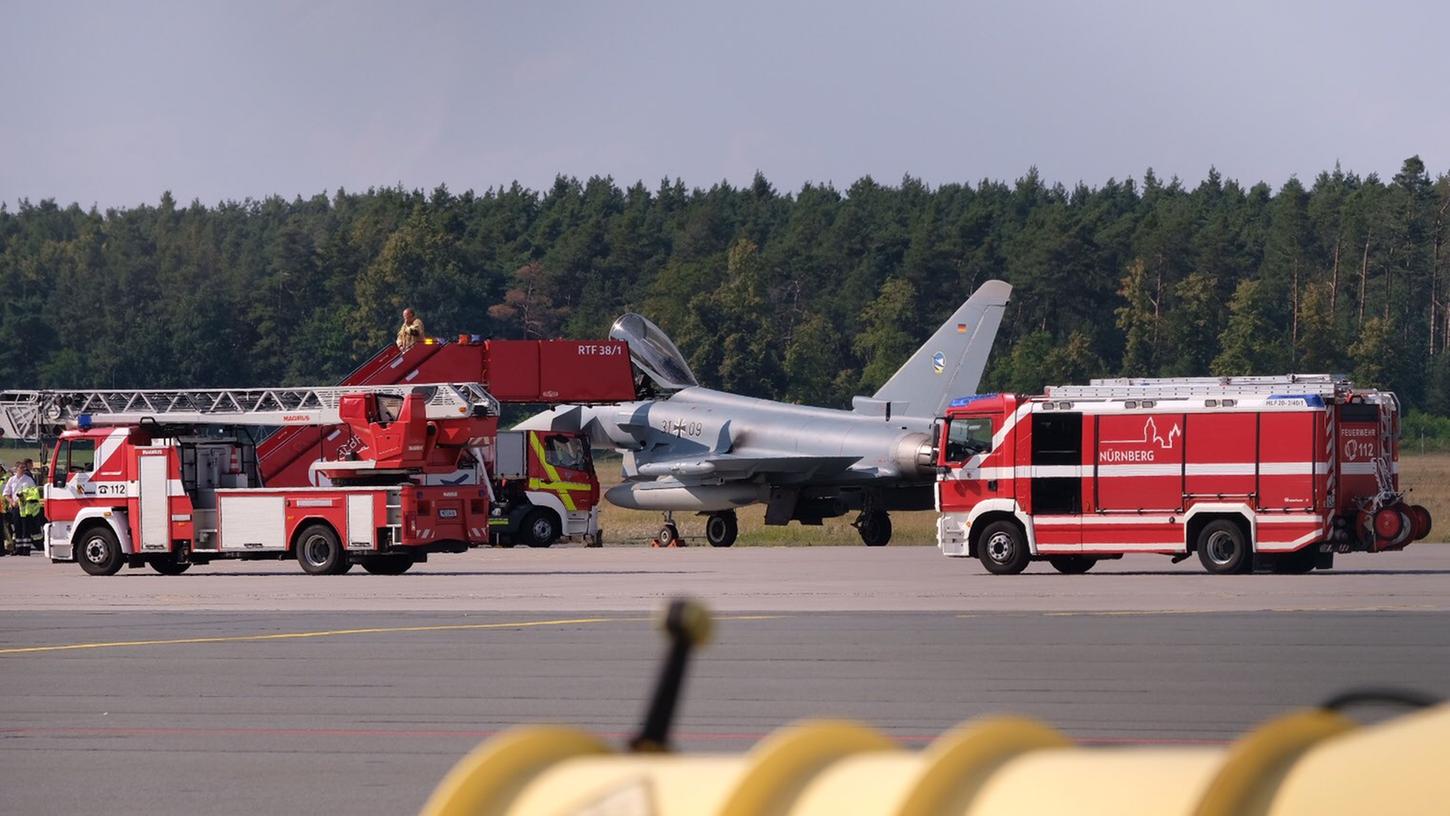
{"x":236,"y":690}
{"x":745,"y":579}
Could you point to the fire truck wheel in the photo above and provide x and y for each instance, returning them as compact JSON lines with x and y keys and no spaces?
{"x":540,"y":529}
{"x":1223,"y":549}
{"x":99,"y":552}
{"x":722,"y":528}
{"x":319,"y":552}
{"x":1003,"y":549}
{"x":387,"y":564}
{"x":1072,"y":564}
{"x":169,"y":564}
{"x":875,"y":528}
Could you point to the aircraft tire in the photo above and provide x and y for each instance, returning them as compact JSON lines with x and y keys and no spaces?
{"x":387,"y":564}
{"x":1003,"y":548}
{"x":319,"y":551}
{"x":722,"y":528}
{"x":875,"y":528}
{"x":540,"y":529}
{"x":99,"y":552}
{"x":169,"y":564}
{"x":668,"y":535}
{"x":1072,"y":564}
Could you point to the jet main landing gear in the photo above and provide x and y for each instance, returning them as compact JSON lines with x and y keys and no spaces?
{"x":721,"y":528}
{"x":874,"y":527}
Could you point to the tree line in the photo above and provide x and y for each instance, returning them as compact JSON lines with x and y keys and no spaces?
{"x":811,"y":296}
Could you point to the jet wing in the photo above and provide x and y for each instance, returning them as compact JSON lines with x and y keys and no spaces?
{"x":729,"y":466}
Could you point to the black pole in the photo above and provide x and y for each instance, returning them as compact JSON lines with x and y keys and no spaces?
{"x":687,"y":624}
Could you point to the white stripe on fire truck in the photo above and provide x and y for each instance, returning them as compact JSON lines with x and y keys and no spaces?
{"x":1122,"y":471}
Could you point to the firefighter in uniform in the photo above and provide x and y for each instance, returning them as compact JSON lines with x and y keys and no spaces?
{"x":20,"y":524}
{"x":412,"y":331}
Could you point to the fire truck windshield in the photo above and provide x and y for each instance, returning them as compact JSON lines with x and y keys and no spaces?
{"x":968,"y":437}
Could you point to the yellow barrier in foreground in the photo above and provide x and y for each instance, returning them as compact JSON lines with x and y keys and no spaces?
{"x":1307,"y":762}
{"x":1315,"y":761}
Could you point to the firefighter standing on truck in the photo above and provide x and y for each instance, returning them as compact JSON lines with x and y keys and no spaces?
{"x":412,"y":331}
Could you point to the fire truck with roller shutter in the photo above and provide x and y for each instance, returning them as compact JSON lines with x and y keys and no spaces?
{"x":1279,"y":472}
{"x":169,"y":478}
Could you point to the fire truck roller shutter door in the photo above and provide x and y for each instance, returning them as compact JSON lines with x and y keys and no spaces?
{"x":1220,"y":450}
{"x":155,"y":505}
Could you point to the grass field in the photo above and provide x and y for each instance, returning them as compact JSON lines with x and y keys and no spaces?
{"x":1426,"y":476}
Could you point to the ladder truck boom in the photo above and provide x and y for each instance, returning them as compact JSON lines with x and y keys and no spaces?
{"x":31,"y":415}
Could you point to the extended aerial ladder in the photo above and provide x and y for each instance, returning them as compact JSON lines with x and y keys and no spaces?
{"x":35,"y":415}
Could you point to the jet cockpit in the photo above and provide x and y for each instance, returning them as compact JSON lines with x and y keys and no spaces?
{"x":653,"y":353}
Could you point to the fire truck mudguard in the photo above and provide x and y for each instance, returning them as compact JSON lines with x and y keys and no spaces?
{"x":1278,"y":473}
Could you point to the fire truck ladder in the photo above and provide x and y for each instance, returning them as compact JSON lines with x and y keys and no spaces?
{"x":33,"y":414}
{"x":1327,"y":386}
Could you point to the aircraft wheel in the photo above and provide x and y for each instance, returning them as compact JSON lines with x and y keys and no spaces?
{"x":540,"y":529}
{"x":1223,"y":549}
{"x":320,"y":553}
{"x":99,"y":552}
{"x":875,"y":528}
{"x":722,"y":528}
{"x":669,"y":534}
{"x":1003,"y":548}
{"x":169,"y":564}
{"x":1072,"y":564}
{"x":387,"y":564}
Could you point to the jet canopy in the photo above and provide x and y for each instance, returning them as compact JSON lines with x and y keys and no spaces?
{"x":653,"y":352}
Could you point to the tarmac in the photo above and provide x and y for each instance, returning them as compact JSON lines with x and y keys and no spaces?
{"x":251,"y":688}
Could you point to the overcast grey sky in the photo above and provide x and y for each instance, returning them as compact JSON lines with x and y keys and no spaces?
{"x":112,"y":103}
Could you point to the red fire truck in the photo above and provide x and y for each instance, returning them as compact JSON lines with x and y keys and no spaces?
{"x":169,"y":478}
{"x":1282,"y":472}
{"x":544,"y":483}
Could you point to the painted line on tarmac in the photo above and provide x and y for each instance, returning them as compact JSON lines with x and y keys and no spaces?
{"x":372,"y":630}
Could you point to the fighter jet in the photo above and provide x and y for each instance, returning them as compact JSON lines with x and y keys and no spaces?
{"x":690,"y":448}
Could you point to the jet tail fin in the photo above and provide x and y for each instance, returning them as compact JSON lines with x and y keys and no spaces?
{"x":951,"y":363}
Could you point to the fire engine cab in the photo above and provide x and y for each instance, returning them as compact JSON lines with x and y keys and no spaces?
{"x":1279,"y":472}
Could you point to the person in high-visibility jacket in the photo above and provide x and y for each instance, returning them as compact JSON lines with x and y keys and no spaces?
{"x":17,"y":484}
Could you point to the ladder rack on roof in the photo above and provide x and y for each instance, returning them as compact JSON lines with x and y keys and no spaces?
{"x":1322,"y":385}
{"x":31,"y":414}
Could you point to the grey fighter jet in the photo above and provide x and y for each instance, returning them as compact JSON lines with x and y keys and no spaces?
{"x":690,"y":448}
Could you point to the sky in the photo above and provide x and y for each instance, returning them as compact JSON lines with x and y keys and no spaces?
{"x":110,"y":104}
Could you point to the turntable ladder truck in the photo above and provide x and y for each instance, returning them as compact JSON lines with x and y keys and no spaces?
{"x":169,"y":478}
{"x":1281,"y":472}
{"x":545,"y":485}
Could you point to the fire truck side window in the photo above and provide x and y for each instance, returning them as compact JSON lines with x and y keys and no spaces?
{"x":967,"y":437}
{"x":76,"y":456}
{"x":566,"y":452}
{"x":389,"y":406}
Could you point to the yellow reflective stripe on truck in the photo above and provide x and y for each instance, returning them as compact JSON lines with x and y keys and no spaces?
{"x":554,"y":484}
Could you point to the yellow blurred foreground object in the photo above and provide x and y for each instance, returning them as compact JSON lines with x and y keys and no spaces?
{"x":1307,"y":762}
